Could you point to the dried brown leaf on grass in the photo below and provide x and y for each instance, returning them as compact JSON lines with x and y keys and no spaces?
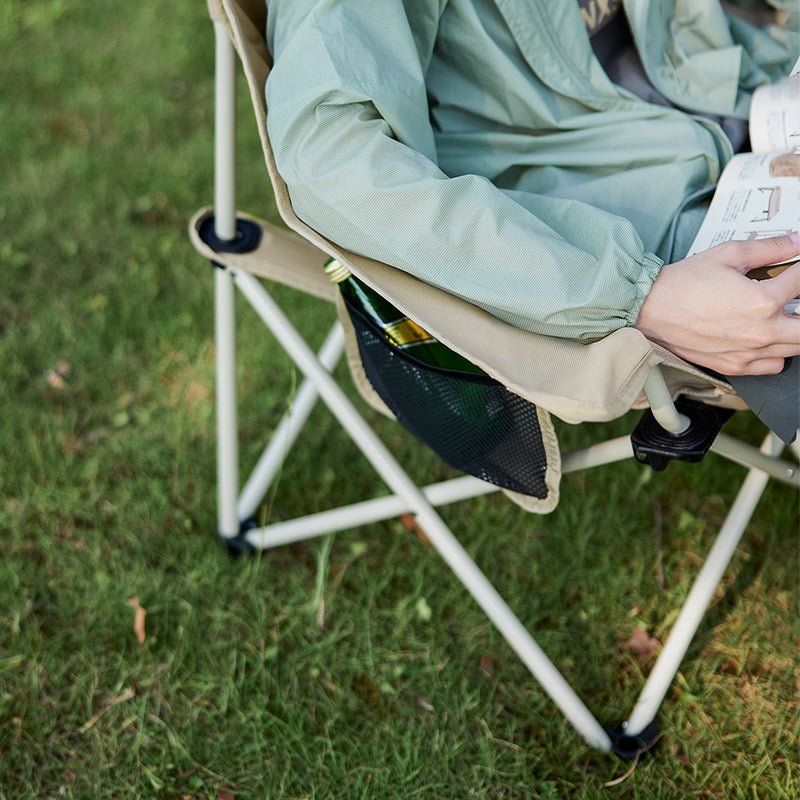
{"x":55,"y":377}
{"x":409,"y":523}
{"x":424,"y":703}
{"x":641,"y":643}
{"x":139,"y":615}
{"x":488,"y":664}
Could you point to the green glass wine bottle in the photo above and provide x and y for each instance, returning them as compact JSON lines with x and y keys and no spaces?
{"x":399,"y":331}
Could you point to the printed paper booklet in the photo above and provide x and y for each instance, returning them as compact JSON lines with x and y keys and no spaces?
{"x":758,"y":194}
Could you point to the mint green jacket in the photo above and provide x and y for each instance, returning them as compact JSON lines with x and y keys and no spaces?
{"x":479,"y":145}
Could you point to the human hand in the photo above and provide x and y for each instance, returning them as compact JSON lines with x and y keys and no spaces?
{"x":706,"y":310}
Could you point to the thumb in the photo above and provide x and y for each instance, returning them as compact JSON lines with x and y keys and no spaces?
{"x":746,"y":255}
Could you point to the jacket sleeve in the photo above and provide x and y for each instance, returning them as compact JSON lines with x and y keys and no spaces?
{"x":349,"y":125}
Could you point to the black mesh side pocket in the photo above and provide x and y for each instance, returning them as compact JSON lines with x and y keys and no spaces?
{"x":472,"y":422}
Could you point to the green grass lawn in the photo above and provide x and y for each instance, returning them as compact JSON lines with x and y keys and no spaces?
{"x":365,"y":672}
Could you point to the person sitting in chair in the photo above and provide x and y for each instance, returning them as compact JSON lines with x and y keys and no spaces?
{"x":548,"y":160}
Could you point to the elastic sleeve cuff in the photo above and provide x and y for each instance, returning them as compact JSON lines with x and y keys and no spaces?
{"x":651,"y":266}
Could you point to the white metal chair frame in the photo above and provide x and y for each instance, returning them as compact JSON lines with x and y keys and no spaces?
{"x":235,"y":507}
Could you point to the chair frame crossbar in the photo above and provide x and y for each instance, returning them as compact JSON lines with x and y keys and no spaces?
{"x":236,"y":509}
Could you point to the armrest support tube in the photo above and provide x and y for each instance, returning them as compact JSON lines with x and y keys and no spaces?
{"x":661,"y":404}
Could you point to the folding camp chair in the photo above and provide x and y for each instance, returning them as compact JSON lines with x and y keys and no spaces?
{"x":531,"y":377}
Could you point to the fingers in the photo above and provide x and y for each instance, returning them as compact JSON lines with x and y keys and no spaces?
{"x":707,"y":310}
{"x":787,"y":283}
{"x":785,"y":333}
{"x":768,"y":363}
{"x":766,"y":360}
{"x":746,"y":255}
{"x":737,"y":367}
{"x":762,"y":366}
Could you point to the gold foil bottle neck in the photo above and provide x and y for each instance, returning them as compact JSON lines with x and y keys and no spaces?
{"x":336,"y":271}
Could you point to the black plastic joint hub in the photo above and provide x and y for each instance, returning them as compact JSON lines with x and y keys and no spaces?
{"x":247,"y":239}
{"x":654,"y":446}
{"x":629,"y":747}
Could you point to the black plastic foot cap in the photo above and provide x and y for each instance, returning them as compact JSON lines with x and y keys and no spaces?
{"x":628,"y":747}
{"x":239,"y":545}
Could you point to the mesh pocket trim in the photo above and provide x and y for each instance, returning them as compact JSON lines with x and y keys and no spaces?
{"x":470,"y":420}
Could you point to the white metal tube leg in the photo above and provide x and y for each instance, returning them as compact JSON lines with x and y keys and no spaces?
{"x":288,"y":429}
{"x":224,"y":134}
{"x":224,"y":322}
{"x":227,"y":427}
{"x":686,"y":625}
{"x":439,"y":534}
{"x":450,"y":491}
{"x":748,"y":456}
